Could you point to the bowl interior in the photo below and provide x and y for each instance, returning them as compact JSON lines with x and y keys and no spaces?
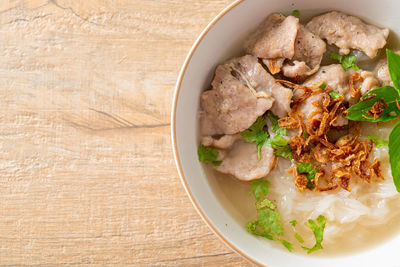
{"x":220,"y":41}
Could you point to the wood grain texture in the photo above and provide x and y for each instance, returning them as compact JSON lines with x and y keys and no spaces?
{"x":86,"y":166}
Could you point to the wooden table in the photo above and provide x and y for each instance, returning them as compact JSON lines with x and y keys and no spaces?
{"x":87,"y":173}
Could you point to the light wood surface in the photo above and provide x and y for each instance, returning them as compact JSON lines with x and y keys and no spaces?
{"x":86,"y":168}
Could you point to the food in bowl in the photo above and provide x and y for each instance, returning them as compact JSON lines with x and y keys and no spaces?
{"x":297,"y":120}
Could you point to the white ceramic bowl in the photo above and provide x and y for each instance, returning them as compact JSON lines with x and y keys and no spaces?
{"x":221,"y":40}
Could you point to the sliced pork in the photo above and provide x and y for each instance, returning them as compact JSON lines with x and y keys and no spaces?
{"x":224,"y":142}
{"x":274,"y":38}
{"x":232,"y":106}
{"x":348,"y":32}
{"x":309,"y":50}
{"x":242,"y":161}
{"x":256,"y":77}
{"x":339,"y":80}
{"x":382,"y":72}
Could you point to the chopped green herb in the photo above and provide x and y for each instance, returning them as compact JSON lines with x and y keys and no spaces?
{"x":275,"y":125}
{"x":394,"y":155}
{"x":394,"y":67}
{"x":281,"y":147}
{"x":323,"y":86}
{"x":296,"y":13}
{"x":293,"y":223}
{"x":336,"y":56}
{"x":359,"y":111}
{"x":208,"y":155}
{"x":318,"y":230}
{"x":299,"y":238}
{"x":335,"y":95}
{"x":305,"y":135}
{"x":309,"y":171}
{"x":378,"y":142}
{"x":259,"y":188}
{"x":256,"y":134}
{"x":252,"y":228}
{"x":347,"y":61}
{"x":266,"y":203}
{"x":287,"y":245}
{"x":304,"y":167}
{"x":270,"y":221}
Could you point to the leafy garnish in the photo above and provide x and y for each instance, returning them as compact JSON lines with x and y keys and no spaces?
{"x":281,"y":147}
{"x":304,"y":167}
{"x":335,"y":95}
{"x":296,"y":13}
{"x":359,"y":111}
{"x":275,"y":125}
{"x":208,"y":155}
{"x":336,"y":56}
{"x":259,"y":188}
{"x":318,"y":230}
{"x":293,"y":223}
{"x":266,"y":203}
{"x":347,"y":61}
{"x":299,"y":238}
{"x":378,"y":142}
{"x":270,"y":221}
{"x":287,"y":245}
{"x":394,"y":155}
{"x":305,"y":135}
{"x":309,"y":171}
{"x":252,"y":229}
{"x":323,"y":86}
{"x":394,"y":67}
{"x":256,"y":134}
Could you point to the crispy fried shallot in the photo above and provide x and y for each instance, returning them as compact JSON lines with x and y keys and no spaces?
{"x":336,"y":162}
{"x":377,"y":109}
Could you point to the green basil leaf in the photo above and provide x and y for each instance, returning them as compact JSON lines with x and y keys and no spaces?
{"x":394,"y":67}
{"x":358,"y":112}
{"x":394,"y":155}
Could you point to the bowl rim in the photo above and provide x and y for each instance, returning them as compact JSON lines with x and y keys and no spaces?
{"x":173,"y":134}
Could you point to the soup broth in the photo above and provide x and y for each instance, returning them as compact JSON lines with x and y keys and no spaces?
{"x":356,"y":220}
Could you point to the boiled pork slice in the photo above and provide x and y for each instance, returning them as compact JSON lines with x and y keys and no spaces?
{"x":382,"y":72}
{"x":309,"y":50}
{"x":348,"y":32}
{"x":242,"y":161}
{"x":232,"y":106}
{"x":274,"y":38}
{"x":224,"y":142}
{"x":339,"y":80}
{"x":256,"y":77}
